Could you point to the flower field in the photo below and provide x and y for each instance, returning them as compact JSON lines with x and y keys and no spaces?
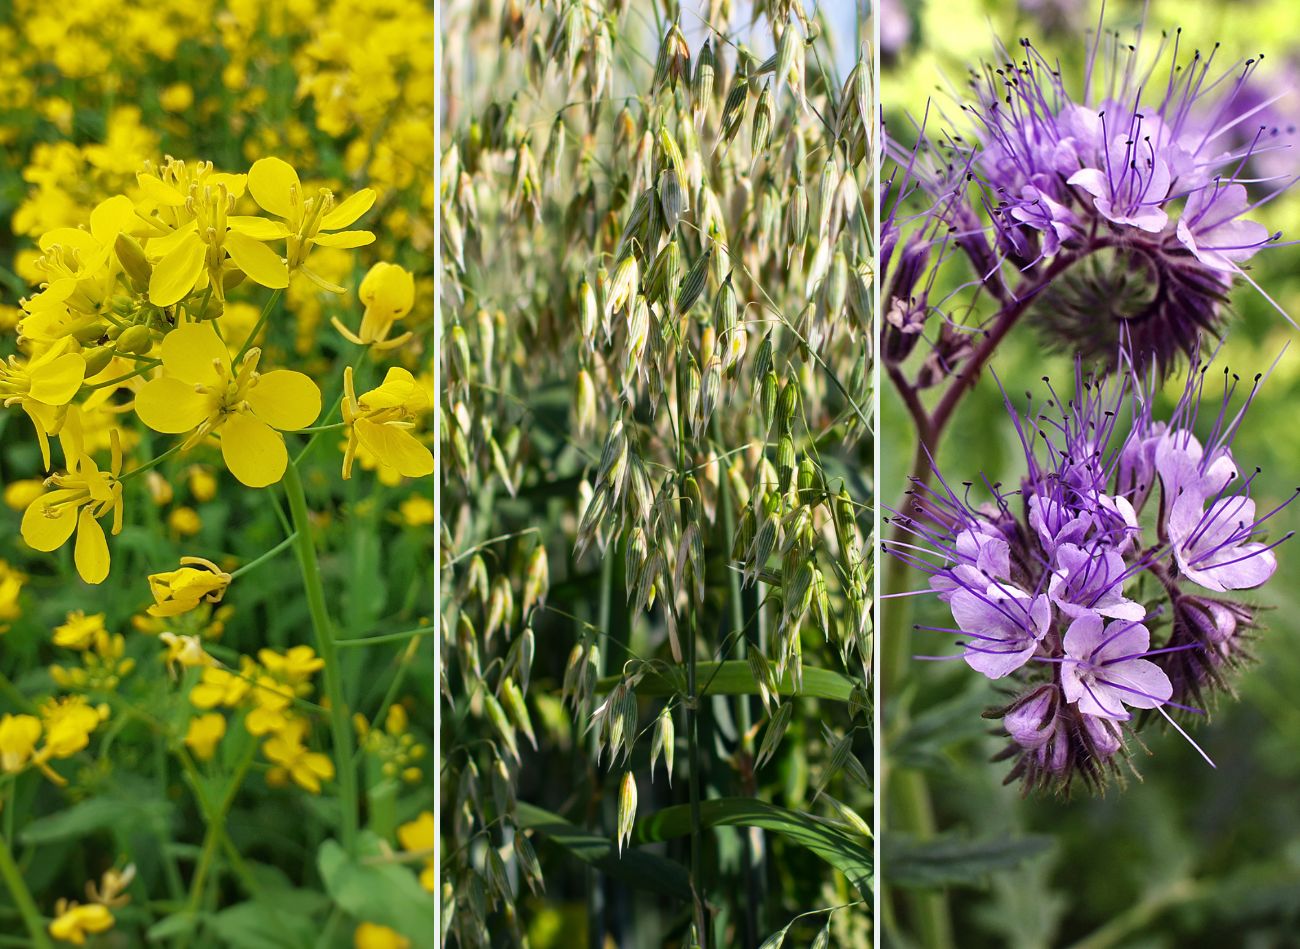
{"x":216,"y":600}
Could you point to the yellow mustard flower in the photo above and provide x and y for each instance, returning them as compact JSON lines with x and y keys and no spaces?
{"x":68,"y":722}
{"x":177,"y":97}
{"x":381,"y":421}
{"x":11,"y":589}
{"x":201,"y":394}
{"x":292,"y":758}
{"x":203,"y":484}
{"x":275,"y":186}
{"x":218,"y":687}
{"x":375,"y":936}
{"x":79,"y":630}
{"x":417,"y":511}
{"x":184,"y":521}
{"x":43,"y":386}
{"x":75,"y":922}
{"x":184,"y":651}
{"x":295,"y":667}
{"x":181,"y":590}
{"x":80,"y":496}
{"x":273,"y":711}
{"x":417,"y":836}
{"x":205,"y":733}
{"x":19,"y":494}
{"x":18,"y":737}
{"x":388,"y":293}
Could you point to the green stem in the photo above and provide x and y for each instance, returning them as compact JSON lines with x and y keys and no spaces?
{"x":387,"y":638}
{"x":254,"y":564}
{"x":327,"y":649}
{"x":22,"y":897}
{"x":148,"y":465}
{"x":257,"y":327}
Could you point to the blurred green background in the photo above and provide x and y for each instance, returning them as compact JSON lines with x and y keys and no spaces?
{"x":1190,"y":855}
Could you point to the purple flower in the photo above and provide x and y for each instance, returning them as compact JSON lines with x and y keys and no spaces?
{"x":1005,"y":626}
{"x":1091,"y":581}
{"x":1131,"y":182}
{"x":1104,"y":669}
{"x":1213,"y":229}
{"x":1212,"y":546}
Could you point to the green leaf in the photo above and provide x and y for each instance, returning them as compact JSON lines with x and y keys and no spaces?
{"x":952,"y":860}
{"x":841,"y":849}
{"x":372,"y":888}
{"x":177,"y":924}
{"x":262,"y":926}
{"x":636,"y":868}
{"x":734,"y":677}
{"x":95,"y":814}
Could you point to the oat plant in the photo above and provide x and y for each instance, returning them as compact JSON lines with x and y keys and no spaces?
{"x":656,"y":496}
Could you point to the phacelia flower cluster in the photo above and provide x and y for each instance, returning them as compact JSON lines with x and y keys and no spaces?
{"x":1106,"y":590}
{"x":1121,"y":210}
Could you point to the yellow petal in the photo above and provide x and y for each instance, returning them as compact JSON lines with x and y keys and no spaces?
{"x":56,"y":382}
{"x":111,"y":217}
{"x":258,"y":228}
{"x":170,"y":405}
{"x":235,"y":184}
{"x":91,"y":551}
{"x":345,"y":239}
{"x":73,"y":237}
{"x":48,"y":533}
{"x":175,"y":275}
{"x":253,"y":451}
{"x":396,"y":447}
{"x":285,"y":399}
{"x":399,"y":388}
{"x":159,"y":247}
{"x":269,"y":182}
{"x":258,"y":261}
{"x":349,"y":210}
{"x":159,"y":192}
{"x":189,"y":351}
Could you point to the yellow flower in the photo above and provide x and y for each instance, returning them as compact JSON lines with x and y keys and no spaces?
{"x":184,"y":521}
{"x":295,"y":667}
{"x":218,"y":687}
{"x":19,"y":494}
{"x":417,"y":836}
{"x":381,"y":421}
{"x":74,"y":922}
{"x":204,"y":733}
{"x":286,"y":750}
{"x":80,"y":496}
{"x":79,"y":631}
{"x":417,"y":511}
{"x":43,"y":385}
{"x":272,"y":713}
{"x":18,"y":737}
{"x":177,"y":97}
{"x":274,"y":185}
{"x":201,"y":393}
{"x":388,"y":292}
{"x":203,"y":484}
{"x":184,"y":651}
{"x":68,"y":723}
{"x":179,"y":591}
{"x":11,"y":588}
{"x":375,"y":936}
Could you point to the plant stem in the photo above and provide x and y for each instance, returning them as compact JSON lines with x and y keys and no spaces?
{"x":216,"y":827}
{"x":326,"y":648}
{"x":257,"y":327}
{"x":387,"y":637}
{"x":22,"y":897}
{"x":263,"y":558}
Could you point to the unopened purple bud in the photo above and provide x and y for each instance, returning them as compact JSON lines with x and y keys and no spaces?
{"x":1031,"y":721}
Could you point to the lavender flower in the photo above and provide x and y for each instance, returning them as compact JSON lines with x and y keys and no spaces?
{"x":1116,"y":209}
{"x":1055,"y":591}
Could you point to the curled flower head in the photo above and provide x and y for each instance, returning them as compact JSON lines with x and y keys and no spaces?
{"x":388,"y":293}
{"x":73,"y":921}
{"x":201,"y":393}
{"x":1118,"y":206}
{"x":179,"y":591}
{"x":1056,"y":586}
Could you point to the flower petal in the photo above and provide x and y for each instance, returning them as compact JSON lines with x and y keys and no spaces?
{"x":285,"y":399}
{"x":396,"y":447}
{"x":270,"y":181}
{"x":349,"y":210}
{"x":189,"y":351}
{"x":48,"y":533}
{"x":258,"y":228}
{"x":175,"y":275}
{"x":253,"y":451}
{"x":345,"y":239}
{"x":91,"y":551}
{"x":170,"y":405}
{"x":56,"y":382}
{"x":258,"y":261}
